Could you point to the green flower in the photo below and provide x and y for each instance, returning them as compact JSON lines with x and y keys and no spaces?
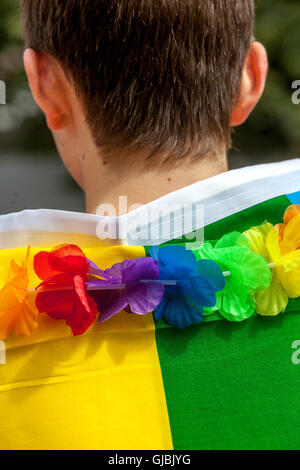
{"x":246,"y":273}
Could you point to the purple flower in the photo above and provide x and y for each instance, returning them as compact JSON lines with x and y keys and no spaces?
{"x":132,"y":286}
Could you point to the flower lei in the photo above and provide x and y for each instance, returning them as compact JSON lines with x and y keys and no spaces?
{"x":241,"y":275}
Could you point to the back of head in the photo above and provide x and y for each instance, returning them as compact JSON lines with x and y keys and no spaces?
{"x":160,"y":75}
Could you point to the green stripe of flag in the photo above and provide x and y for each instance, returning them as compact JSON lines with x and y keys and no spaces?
{"x":234,"y":386}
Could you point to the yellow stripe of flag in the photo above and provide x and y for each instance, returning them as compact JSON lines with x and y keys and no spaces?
{"x":102,"y":390}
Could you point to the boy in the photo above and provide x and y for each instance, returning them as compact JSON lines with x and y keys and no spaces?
{"x":141,"y":97}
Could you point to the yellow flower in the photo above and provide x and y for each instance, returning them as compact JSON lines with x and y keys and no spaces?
{"x":16,"y":309}
{"x":280,"y":246}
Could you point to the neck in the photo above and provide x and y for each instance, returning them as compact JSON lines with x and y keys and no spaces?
{"x":105,"y":184}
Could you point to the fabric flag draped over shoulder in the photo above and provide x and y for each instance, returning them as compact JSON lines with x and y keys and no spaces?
{"x":136,"y":383}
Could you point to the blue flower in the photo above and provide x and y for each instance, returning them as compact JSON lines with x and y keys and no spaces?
{"x":195,"y":288}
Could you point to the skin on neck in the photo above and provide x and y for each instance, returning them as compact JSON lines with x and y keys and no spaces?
{"x":102,"y":179}
{"x":106,"y":183}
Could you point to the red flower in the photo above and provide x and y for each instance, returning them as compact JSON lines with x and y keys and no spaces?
{"x":62,"y":294}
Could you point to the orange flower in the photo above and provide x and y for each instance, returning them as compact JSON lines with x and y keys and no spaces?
{"x":291,"y":221}
{"x":16,"y":312}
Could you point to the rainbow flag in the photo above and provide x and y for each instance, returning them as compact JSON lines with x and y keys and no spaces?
{"x":133,"y":383}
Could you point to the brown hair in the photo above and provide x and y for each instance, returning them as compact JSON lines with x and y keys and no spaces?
{"x":161,"y":75}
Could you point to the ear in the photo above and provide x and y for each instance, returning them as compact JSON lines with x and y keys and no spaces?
{"x":49,"y":87}
{"x":253,"y":83}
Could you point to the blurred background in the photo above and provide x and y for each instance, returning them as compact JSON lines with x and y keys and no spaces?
{"x":31,"y":173}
